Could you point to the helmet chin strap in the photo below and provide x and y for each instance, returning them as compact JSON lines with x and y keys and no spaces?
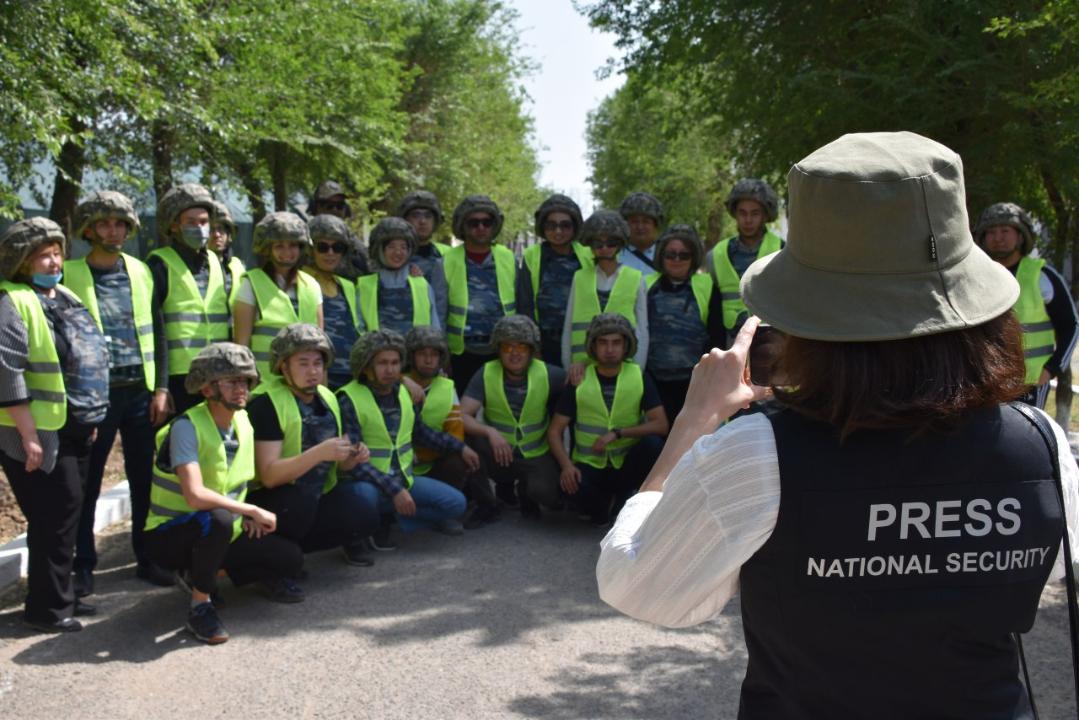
{"x":296,"y":388}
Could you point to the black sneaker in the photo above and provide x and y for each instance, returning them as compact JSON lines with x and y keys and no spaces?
{"x":382,"y":540}
{"x":204,"y":624}
{"x":449,"y":527}
{"x":482,"y":515}
{"x":83,"y":609}
{"x":283,"y":590}
{"x":82,"y":580}
{"x":356,"y":554}
{"x":530,"y":510}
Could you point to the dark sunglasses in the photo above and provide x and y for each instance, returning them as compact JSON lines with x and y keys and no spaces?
{"x":608,"y":243}
{"x":551,"y":226}
{"x":337,"y":247}
{"x":473,"y":223}
{"x":333,"y":204}
{"x":420,"y":215}
{"x":678,"y":255}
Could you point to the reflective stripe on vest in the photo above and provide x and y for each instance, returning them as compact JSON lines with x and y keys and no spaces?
{"x":594,"y":420}
{"x":622,"y":300}
{"x":436,"y":408}
{"x":728,"y":279}
{"x":375,"y":434}
{"x":702,"y":286}
{"x":236,"y":271}
{"x":192,"y":321}
{"x":43,"y":377}
{"x":275,"y":311}
{"x":457,"y":278}
{"x":367,"y":290}
{"x":1039,"y":339}
{"x":79,"y":279}
{"x":532,"y":260}
{"x":528,"y":433}
{"x":291,"y":423}
{"x":166,"y":496}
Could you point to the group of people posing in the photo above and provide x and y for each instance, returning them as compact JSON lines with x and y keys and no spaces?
{"x":334,"y":393}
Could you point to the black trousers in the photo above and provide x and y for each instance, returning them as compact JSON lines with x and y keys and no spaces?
{"x":672,"y":393}
{"x":451,"y":470}
{"x":603,"y":492}
{"x":538,"y":476}
{"x":315,"y":521}
{"x":181,"y":398}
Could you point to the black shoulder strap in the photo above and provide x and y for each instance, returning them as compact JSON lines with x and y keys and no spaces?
{"x":1042,"y":425}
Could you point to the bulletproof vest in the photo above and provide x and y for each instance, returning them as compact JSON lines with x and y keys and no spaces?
{"x":898,"y":569}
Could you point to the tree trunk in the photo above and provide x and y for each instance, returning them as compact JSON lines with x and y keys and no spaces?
{"x":69,"y":167}
{"x":245,"y":171}
{"x":278,"y":176}
{"x":1064,"y":249}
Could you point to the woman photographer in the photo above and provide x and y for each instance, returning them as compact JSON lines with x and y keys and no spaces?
{"x":891,"y":521}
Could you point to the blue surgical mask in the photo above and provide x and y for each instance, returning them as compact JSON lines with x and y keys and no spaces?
{"x":195,"y":236}
{"x":46,"y":281}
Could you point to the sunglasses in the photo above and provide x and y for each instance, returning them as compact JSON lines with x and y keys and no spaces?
{"x":333,"y":204}
{"x":473,"y":223}
{"x":678,"y":255}
{"x":337,"y":247}
{"x":551,"y":226}
{"x":420,"y":215}
{"x":608,"y":243}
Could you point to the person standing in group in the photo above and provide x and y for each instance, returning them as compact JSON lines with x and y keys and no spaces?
{"x":393,"y":298}
{"x":341,"y":320}
{"x":116,"y":289}
{"x":1044,"y":307}
{"x":685,"y":316}
{"x":330,"y":199}
{"x":643,"y":214}
{"x":421,"y":210}
{"x":278,"y":293}
{"x":222,"y":233}
{"x":54,"y":390}
{"x":189,"y":289}
{"x":547,"y":270}
{"x":481,"y":276}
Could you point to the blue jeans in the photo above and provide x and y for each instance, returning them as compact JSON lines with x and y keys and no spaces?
{"x":435,"y":501}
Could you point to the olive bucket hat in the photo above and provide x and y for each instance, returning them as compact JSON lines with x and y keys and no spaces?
{"x":879,"y":247}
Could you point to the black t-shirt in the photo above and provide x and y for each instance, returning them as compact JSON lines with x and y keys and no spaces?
{"x":567,"y":403}
{"x":318,"y":424}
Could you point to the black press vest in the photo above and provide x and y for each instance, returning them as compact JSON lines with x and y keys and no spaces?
{"x":898,"y":570}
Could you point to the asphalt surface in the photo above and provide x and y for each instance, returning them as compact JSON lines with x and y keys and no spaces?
{"x":503,"y":622}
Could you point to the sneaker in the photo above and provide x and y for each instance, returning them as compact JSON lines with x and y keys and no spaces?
{"x":382,"y":540}
{"x":283,"y":590}
{"x":82,"y":581}
{"x":482,"y":515}
{"x":155,"y":574}
{"x":204,"y":624}
{"x":449,"y":527}
{"x":67,"y":625}
{"x":356,"y":554}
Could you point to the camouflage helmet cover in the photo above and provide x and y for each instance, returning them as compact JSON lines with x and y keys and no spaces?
{"x":371,"y":344}
{"x":279,"y":227}
{"x":688,"y":235}
{"x":327,"y":189}
{"x":220,"y":360}
{"x":329,"y":227}
{"x":474,"y":204}
{"x":22,"y":238}
{"x":754,"y":189}
{"x":558,"y":203}
{"x":608,"y":324}
{"x":427,"y":336}
{"x":1006,"y":213}
{"x":516,"y":329}
{"x":220,"y":215}
{"x":390,"y":228}
{"x":420,"y":199}
{"x":642,"y":203}
{"x":295,"y":338}
{"x":604,"y":222}
{"x":176,"y":200}
{"x":102,"y":205}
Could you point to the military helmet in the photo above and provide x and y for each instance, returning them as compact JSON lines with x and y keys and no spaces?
{"x":220,"y":360}
{"x":371,"y":344}
{"x":295,"y":338}
{"x":427,"y":336}
{"x":516,"y":329}
{"x":176,"y":200}
{"x":278,"y":227}
{"x":102,"y":205}
{"x":558,"y":203}
{"x":390,"y":228}
{"x":326,"y":190}
{"x":642,"y":203}
{"x":220,"y":215}
{"x":1006,"y":213}
{"x":608,"y":324}
{"x":475,"y":204}
{"x":754,"y":189}
{"x":24,"y":237}
{"x":688,"y":235}
{"x":604,"y":222}
{"x":417,"y":200}
{"x":329,"y":227}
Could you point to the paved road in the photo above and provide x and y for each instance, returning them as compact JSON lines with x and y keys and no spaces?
{"x":501,"y":623}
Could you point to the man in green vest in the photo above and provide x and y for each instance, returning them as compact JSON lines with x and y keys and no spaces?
{"x":644,"y":216}
{"x":517,"y":393}
{"x":421,"y":210}
{"x":618,"y":424}
{"x":199,"y":522}
{"x":189,"y":287}
{"x":222,"y":233}
{"x":117,"y":289}
{"x":1045,"y":308}
{"x":753,"y":204}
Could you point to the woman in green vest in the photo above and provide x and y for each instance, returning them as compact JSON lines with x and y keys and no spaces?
{"x":54,"y":390}
{"x":222,"y":233}
{"x":277,"y":293}
{"x":396,"y":297}
{"x":332,"y":249}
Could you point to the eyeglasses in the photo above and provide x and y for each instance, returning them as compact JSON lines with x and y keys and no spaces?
{"x":473,"y":223}
{"x":219,"y":230}
{"x":606,"y":243}
{"x":233,"y":383}
{"x":551,"y":225}
{"x":420,"y":214}
{"x":681,"y":255}
{"x":337,"y":247}
{"x":333,"y":204}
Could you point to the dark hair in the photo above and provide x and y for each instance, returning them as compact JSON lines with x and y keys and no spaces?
{"x":922,"y":383}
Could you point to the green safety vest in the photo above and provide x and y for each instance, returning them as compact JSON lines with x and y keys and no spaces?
{"x":78,"y":279}
{"x":594,"y":420}
{"x":531,"y":258}
{"x":291,"y":422}
{"x":367,"y":289}
{"x":622,"y":300}
{"x":192,"y":321}
{"x":457,"y":279}
{"x":236,"y":271}
{"x":1038,"y":335}
{"x":375,"y":434}
{"x":527,"y":433}
{"x":436,"y":408}
{"x":43,"y":376}
{"x":728,"y":280}
{"x":166,"y":496}
{"x":348,"y":289}
{"x":702,"y":287}
{"x":275,"y":311}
